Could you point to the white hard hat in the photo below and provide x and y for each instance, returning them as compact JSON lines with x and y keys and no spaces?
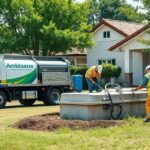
{"x":147,"y":67}
{"x":99,"y":68}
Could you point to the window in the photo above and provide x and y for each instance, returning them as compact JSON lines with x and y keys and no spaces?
{"x":107,"y":61}
{"x":106,"y":34}
{"x":113,"y":61}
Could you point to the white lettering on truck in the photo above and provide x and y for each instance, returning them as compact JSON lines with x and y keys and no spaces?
{"x":19,"y":66}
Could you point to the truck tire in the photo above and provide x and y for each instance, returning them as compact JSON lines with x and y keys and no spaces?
{"x":27,"y":102}
{"x":52,"y":96}
{"x":3,"y":99}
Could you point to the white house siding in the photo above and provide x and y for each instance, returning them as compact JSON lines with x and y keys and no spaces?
{"x":135,"y":44}
{"x":100,"y":50}
{"x":139,"y":59}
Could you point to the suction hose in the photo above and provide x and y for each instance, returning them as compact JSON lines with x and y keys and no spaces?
{"x":112,"y":107}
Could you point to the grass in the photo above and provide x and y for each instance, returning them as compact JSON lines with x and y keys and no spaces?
{"x":133,"y":135}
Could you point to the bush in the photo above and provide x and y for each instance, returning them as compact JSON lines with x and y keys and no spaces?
{"x":106,"y":73}
{"x":115,"y":71}
{"x":110,"y":70}
{"x":78,"y":70}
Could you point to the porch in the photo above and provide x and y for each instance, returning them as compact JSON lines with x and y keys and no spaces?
{"x":135,"y":63}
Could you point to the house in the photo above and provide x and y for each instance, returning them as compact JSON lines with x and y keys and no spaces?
{"x":76,"y":57}
{"x":119,"y":42}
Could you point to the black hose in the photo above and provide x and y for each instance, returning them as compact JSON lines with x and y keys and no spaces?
{"x":112,"y":110}
{"x":111,"y":106}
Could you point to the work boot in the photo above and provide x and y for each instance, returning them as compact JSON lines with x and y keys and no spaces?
{"x":146,"y":119}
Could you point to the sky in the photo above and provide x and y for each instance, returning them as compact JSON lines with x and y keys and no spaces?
{"x":128,"y":1}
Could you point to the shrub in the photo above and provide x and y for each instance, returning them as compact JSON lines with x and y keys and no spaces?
{"x":78,"y":70}
{"x":110,"y":70}
{"x":115,"y":71}
{"x":106,"y":73}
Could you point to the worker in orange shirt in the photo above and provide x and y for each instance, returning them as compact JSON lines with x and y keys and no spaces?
{"x":92,"y":75}
{"x":146,"y":83}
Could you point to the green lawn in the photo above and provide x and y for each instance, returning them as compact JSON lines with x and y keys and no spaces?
{"x":133,"y":135}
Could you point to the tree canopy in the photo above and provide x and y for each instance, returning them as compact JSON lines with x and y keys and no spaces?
{"x":47,"y":27}
{"x":43,"y":27}
{"x":113,"y":9}
{"x":146,"y":4}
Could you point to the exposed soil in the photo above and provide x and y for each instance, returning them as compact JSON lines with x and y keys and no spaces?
{"x":52,"y":121}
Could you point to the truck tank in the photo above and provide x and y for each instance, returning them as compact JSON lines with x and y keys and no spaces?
{"x":21,"y":69}
{"x":53,"y":70}
{"x":18,"y":69}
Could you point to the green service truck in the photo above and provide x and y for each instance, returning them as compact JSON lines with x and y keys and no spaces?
{"x":27,"y":79}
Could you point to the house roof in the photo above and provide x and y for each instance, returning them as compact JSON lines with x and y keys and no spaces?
{"x":129,"y":37}
{"x":123,"y":27}
{"x":74,"y":52}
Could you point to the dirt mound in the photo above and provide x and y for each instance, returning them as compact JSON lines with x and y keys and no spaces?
{"x":52,"y":121}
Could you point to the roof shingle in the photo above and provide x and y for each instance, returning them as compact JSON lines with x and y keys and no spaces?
{"x":125,"y":28}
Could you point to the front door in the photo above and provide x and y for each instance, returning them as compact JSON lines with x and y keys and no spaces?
{"x":137,"y":67}
{"x":146,"y":60}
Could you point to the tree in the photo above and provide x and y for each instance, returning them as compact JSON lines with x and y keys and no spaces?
{"x":146,"y":4}
{"x":113,"y":9}
{"x":147,"y":7}
{"x":128,"y":13}
{"x":44,"y":27}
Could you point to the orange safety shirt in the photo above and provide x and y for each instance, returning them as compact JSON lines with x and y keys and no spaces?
{"x":91,"y":73}
{"x":148,"y":83}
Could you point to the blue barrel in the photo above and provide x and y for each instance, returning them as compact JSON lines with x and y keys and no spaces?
{"x":77,"y":82}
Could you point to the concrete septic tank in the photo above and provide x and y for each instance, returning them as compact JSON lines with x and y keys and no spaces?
{"x":90,"y":106}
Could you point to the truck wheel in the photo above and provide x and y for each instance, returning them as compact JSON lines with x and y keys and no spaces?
{"x":52,"y":97}
{"x":2,"y":99}
{"x":27,"y":102}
